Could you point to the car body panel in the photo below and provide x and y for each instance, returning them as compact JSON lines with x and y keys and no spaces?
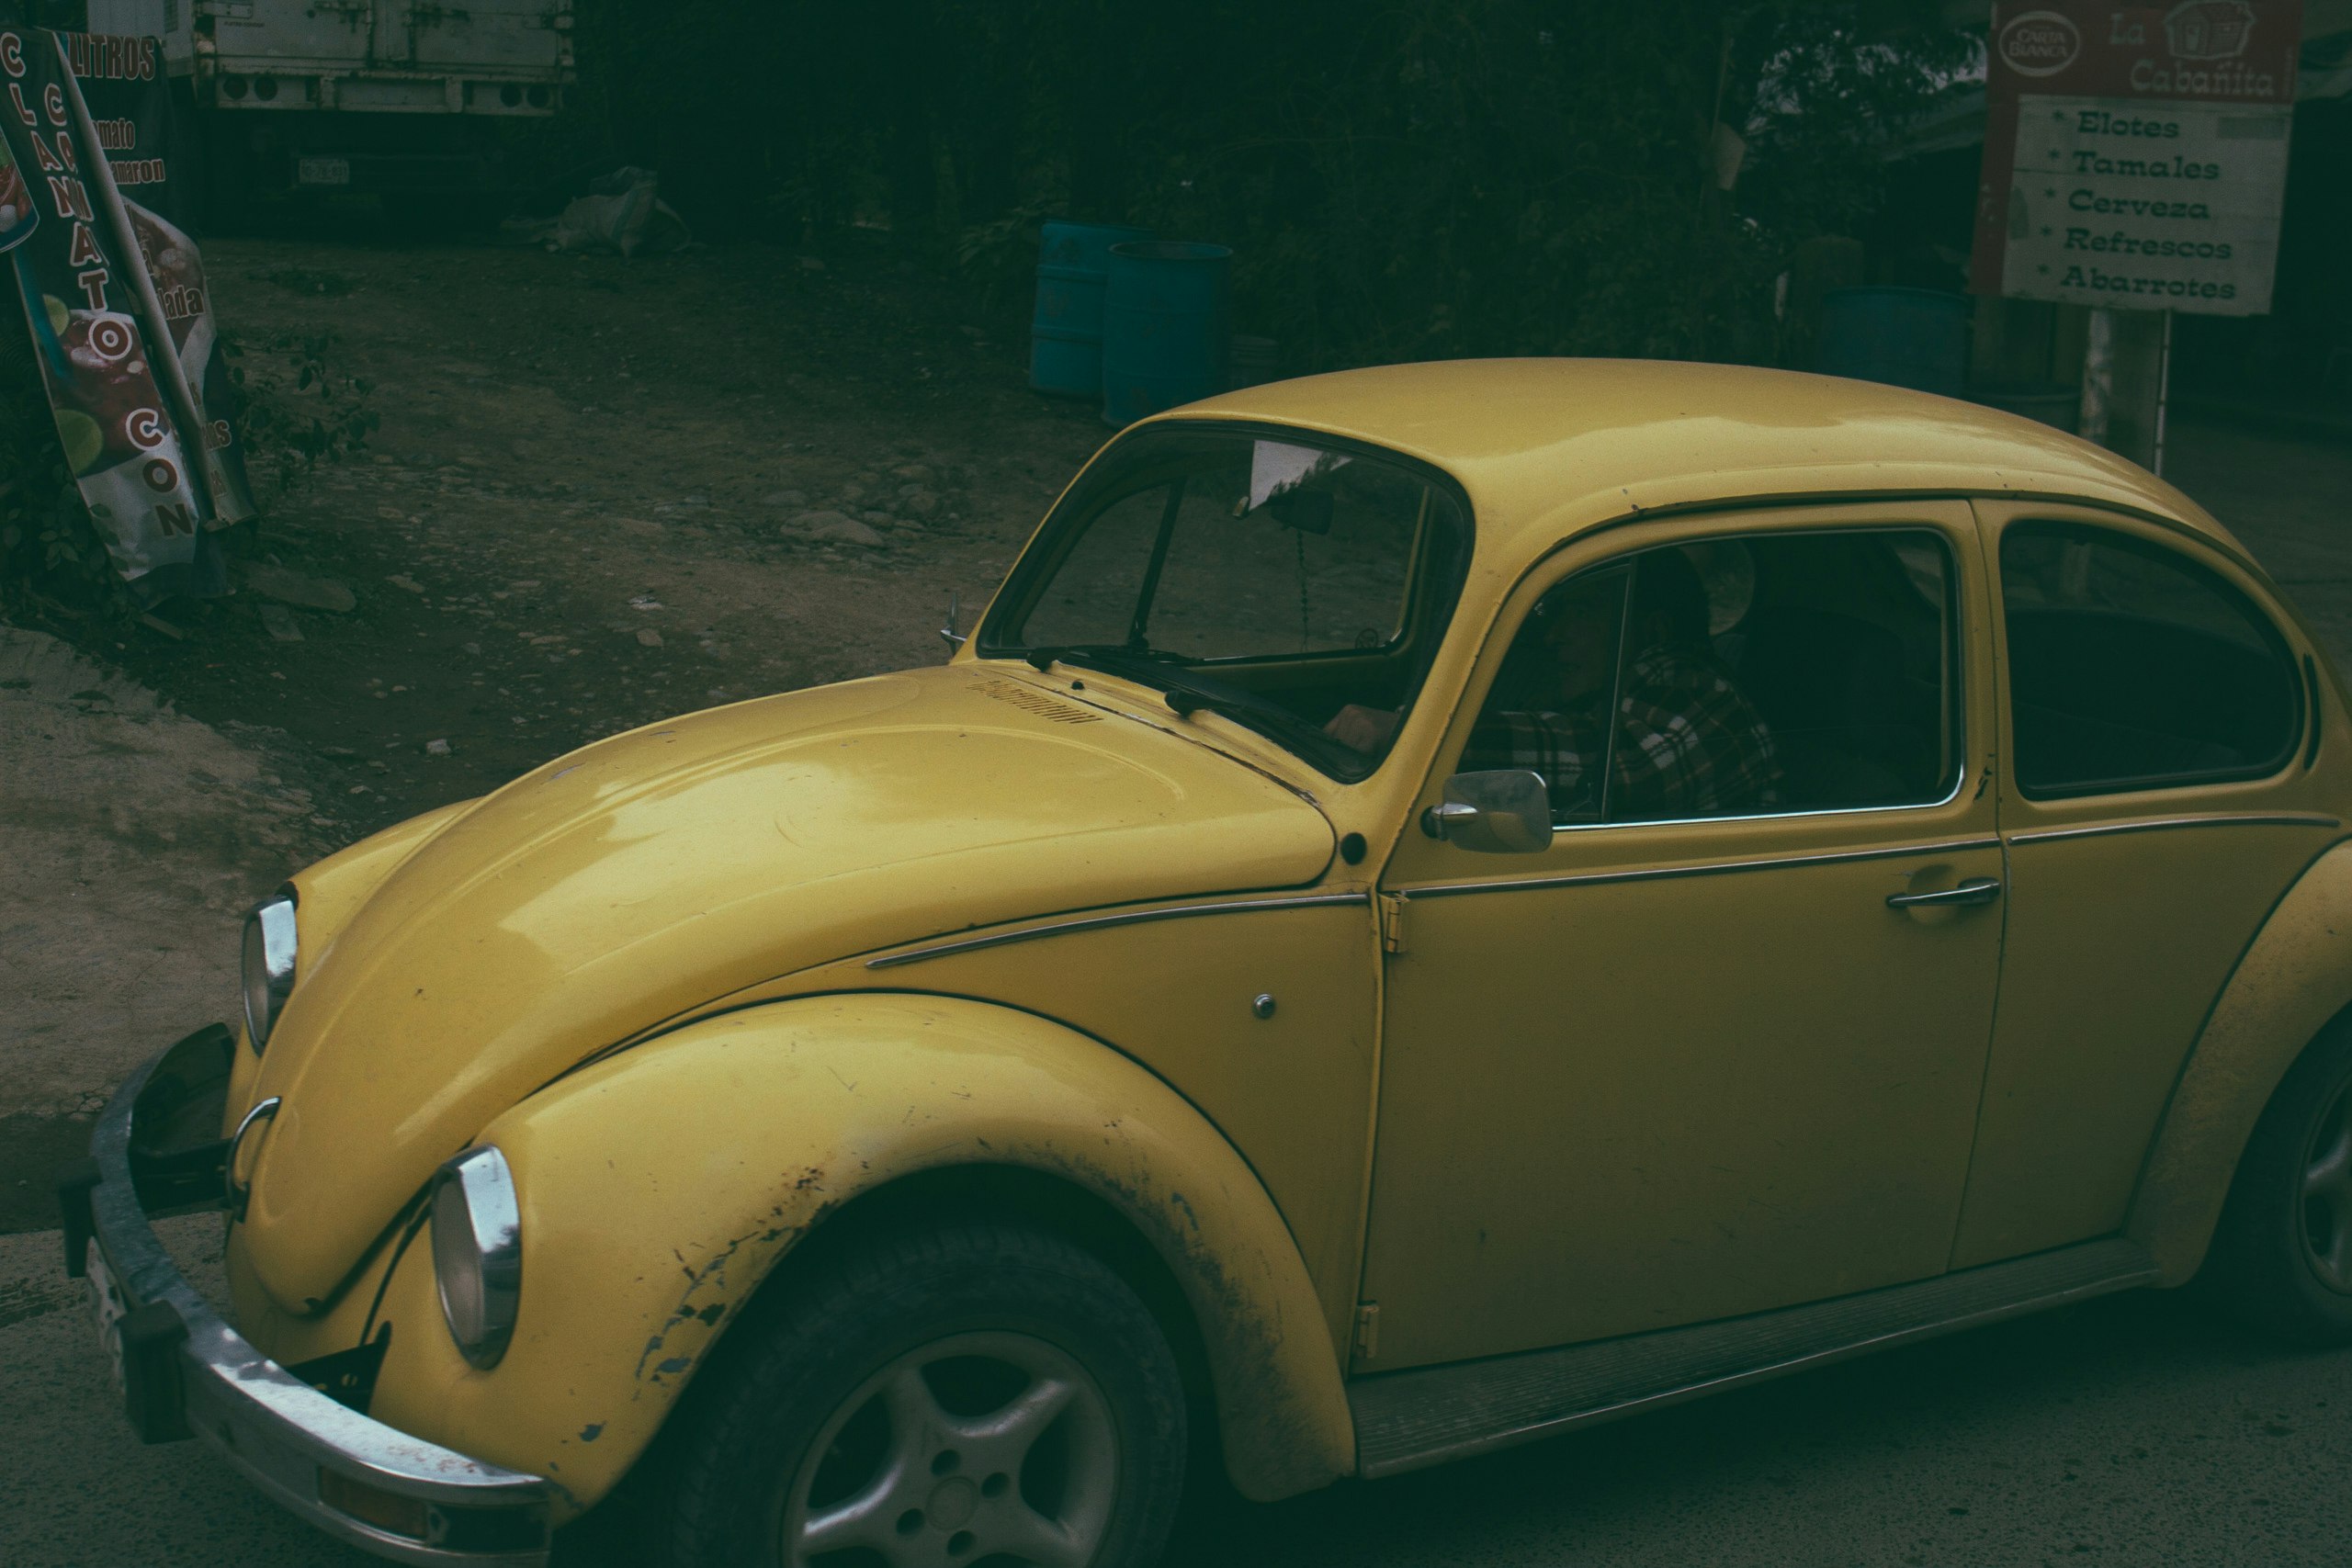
{"x":329,"y":892}
{"x":658,"y":908}
{"x":636,"y":879}
{"x":1757,"y":1081}
{"x":2293,"y":980}
{"x":661,"y":1185}
{"x":1291,"y":1090}
{"x":1550,"y":448}
{"x":2127,"y":914}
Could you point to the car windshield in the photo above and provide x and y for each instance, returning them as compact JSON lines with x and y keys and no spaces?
{"x":1278,"y":577}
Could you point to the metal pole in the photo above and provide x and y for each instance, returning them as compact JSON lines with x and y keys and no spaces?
{"x":2098,"y":377}
{"x":2163,"y":395}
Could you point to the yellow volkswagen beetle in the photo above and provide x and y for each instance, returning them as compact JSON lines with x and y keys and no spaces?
{"x":1438,"y":904}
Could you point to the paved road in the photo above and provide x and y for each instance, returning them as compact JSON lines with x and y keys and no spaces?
{"x":2132,"y":1430}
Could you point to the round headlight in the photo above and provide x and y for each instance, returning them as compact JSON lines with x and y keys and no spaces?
{"x":478,"y":1252}
{"x":269,"y":967}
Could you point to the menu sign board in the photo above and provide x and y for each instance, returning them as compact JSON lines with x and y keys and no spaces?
{"x":2135,"y":156}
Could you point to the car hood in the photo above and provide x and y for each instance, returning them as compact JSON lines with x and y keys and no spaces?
{"x":647,"y":874}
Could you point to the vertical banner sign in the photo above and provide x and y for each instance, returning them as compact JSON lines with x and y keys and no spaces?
{"x":17,"y":214}
{"x":122,"y":81}
{"x":2135,"y":156}
{"x":84,"y":300}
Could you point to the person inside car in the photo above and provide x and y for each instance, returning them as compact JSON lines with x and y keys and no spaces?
{"x":1687,"y":742}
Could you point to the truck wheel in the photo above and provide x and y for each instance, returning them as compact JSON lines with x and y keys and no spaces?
{"x":2282,"y":1256}
{"x":982,"y":1394}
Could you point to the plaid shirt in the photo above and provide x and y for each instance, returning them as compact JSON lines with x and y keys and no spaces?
{"x":1687,"y":745}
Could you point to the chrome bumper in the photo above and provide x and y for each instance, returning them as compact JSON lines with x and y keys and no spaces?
{"x":185,"y":1372}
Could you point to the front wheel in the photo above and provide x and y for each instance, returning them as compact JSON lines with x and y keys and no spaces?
{"x":981,"y":1394}
{"x":2283,"y":1256}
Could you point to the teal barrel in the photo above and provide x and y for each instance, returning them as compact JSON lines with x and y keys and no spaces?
{"x":1905,"y":337}
{"x":1167,"y":326}
{"x":1066,"y":329}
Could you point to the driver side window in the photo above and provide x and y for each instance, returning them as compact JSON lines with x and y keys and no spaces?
{"x":1735,"y":678}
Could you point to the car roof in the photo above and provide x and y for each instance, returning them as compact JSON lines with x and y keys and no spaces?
{"x":1549,"y":447}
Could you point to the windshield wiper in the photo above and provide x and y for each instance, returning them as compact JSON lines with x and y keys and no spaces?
{"x":1102,"y":654}
{"x":1184,"y":690}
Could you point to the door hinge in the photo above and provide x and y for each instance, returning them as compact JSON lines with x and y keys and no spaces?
{"x":1392,"y":922}
{"x":1367,"y":1330}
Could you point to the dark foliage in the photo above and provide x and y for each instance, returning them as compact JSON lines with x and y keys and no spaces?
{"x":294,"y":412}
{"x":1412,"y":179}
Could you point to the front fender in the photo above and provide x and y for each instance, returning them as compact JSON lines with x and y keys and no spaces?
{"x":658,"y":1187}
{"x":2293,"y":979}
{"x":328,"y":893}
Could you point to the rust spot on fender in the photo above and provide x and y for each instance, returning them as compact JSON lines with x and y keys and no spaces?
{"x":710,"y":1280}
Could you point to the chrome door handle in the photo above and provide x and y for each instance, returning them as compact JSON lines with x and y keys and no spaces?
{"x":1975,"y":890}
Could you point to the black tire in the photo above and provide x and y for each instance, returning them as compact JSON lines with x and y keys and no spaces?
{"x":2281,"y":1260}
{"x":825,"y":1358}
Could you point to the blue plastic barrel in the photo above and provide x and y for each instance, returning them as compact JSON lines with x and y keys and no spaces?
{"x":1066,"y":329}
{"x":1905,"y":337}
{"x":1167,"y":326}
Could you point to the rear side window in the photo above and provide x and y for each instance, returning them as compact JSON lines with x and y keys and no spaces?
{"x":2131,"y":667}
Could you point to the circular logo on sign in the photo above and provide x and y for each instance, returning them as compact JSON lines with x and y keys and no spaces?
{"x":111,"y":337}
{"x":2039,"y":43}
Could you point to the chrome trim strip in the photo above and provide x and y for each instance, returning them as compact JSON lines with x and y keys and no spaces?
{"x":1959,"y":787}
{"x":239,"y":1193}
{"x":277,"y":1429}
{"x":1718,"y":868}
{"x":2110,"y":1266}
{"x":2162,"y":824}
{"x":1124,"y":918}
{"x":493,"y":1235}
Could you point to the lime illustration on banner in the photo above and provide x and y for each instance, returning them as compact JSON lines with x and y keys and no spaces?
{"x":127,"y":419}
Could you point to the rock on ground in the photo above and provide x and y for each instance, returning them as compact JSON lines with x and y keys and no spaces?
{"x":833,"y":528}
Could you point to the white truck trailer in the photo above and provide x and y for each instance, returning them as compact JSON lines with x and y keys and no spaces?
{"x":400,"y":98}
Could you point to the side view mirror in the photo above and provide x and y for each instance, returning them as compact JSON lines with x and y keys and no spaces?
{"x":951,"y":634}
{"x":1506,"y":811}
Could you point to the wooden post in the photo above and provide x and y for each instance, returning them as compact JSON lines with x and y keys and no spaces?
{"x":2098,"y":377}
{"x":2163,"y":396}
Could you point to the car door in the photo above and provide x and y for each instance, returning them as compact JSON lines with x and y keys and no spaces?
{"x":2156,"y":801}
{"x":1677,"y":1069}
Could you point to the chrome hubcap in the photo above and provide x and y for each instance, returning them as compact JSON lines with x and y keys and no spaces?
{"x":992,"y":1447}
{"x":2327,"y":1196}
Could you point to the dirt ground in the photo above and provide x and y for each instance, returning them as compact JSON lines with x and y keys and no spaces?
{"x":578,"y":512}
{"x":587,"y":506}
{"x":579,"y":515}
